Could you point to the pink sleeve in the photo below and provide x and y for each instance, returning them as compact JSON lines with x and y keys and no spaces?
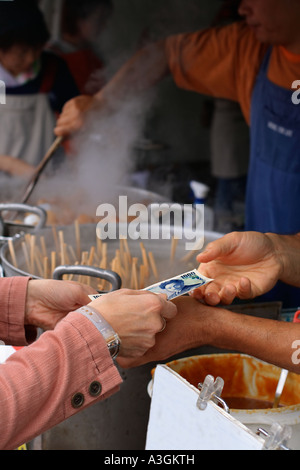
{"x":13,"y":292}
{"x":63,"y":372}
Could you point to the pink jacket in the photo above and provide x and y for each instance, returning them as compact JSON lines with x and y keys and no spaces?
{"x":63,"y":372}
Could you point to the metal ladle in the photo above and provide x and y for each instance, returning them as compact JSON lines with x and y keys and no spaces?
{"x":39,"y":169}
{"x":284,"y":373}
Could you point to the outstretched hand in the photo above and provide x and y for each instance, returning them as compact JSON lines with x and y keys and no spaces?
{"x":243,"y":265}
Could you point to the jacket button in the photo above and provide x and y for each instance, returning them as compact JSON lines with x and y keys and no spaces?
{"x":77,"y":400}
{"x":95,"y":389}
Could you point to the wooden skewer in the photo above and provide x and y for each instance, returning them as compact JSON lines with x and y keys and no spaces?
{"x":26,"y":255}
{"x":91,"y":256}
{"x":127,"y":248}
{"x":98,"y":246}
{"x":46,"y":267}
{"x":54,"y":232}
{"x":32,"y":251}
{"x":134,"y":277}
{"x":38,"y":264}
{"x":142,"y":276}
{"x":12,"y":253}
{"x":153,"y":264}
{"x":77,"y":238}
{"x":173,"y":247}
{"x":72,"y":252}
{"x":43,"y":246}
{"x":145,"y":259}
{"x":53,"y":261}
{"x":62,"y":247}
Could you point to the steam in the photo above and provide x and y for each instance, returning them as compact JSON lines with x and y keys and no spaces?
{"x":102,"y":161}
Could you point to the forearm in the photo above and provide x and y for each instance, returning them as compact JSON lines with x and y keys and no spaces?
{"x":269,"y":340}
{"x":146,"y":68}
{"x":14,"y":166}
{"x":287,"y":251}
{"x":38,"y":383}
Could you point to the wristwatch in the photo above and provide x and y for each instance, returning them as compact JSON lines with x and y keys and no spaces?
{"x":111,"y":337}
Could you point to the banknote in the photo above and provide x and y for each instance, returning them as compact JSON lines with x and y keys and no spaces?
{"x":180,"y":285}
{"x":175,"y":286}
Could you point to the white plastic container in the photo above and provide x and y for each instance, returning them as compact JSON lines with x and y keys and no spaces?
{"x":248,"y":378}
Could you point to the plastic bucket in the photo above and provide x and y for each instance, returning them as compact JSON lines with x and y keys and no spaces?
{"x":248,"y":381}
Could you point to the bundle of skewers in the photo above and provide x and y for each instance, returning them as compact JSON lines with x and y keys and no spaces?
{"x":137,"y":268}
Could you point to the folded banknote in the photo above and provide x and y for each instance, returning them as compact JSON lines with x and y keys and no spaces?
{"x":175,"y":286}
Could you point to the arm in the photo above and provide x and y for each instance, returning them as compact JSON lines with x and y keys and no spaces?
{"x":248,"y":264}
{"x":147,"y":67}
{"x":197,"y":325}
{"x":15,"y":166}
{"x":12,"y":309}
{"x":38,"y":383}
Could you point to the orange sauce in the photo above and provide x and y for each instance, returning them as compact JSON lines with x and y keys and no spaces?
{"x":248,"y":383}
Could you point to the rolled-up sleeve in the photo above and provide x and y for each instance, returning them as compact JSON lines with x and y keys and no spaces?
{"x":63,"y":372}
{"x":13,"y":291}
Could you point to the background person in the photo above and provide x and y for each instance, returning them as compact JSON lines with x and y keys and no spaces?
{"x":82,"y":23}
{"x":38,"y":84}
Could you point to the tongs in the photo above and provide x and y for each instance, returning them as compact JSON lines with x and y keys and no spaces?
{"x":284,"y":373}
{"x":37,"y":172}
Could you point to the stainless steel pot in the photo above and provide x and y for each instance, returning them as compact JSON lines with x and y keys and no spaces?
{"x":88,"y":234}
{"x":9,"y":229}
{"x":166,"y":265}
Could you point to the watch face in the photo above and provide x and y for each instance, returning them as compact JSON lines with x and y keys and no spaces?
{"x":114,"y":347}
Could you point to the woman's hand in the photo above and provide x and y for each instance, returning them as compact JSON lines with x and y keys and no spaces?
{"x":137,"y":317}
{"x":50,"y":301}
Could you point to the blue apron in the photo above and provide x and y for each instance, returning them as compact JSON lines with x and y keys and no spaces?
{"x":273,"y":192}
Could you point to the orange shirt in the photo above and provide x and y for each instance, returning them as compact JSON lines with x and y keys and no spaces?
{"x":223,"y":62}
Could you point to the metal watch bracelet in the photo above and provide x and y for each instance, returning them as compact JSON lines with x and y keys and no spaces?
{"x":111,"y":337}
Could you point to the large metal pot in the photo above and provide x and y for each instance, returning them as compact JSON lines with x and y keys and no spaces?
{"x":9,"y":228}
{"x":20,"y":269}
{"x":119,"y":423}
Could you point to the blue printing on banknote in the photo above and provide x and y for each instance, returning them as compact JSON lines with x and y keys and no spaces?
{"x":175,"y":286}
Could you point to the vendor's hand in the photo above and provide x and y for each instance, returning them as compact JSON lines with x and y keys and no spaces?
{"x":73,"y":115}
{"x":137,"y":316}
{"x":243,"y":265}
{"x":50,"y":301}
{"x":189,"y":329}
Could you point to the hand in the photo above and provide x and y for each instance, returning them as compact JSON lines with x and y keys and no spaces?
{"x":137,"y":317}
{"x":49,"y":301}
{"x":73,"y":115}
{"x":190,"y":328}
{"x":243,"y":265}
{"x":15,"y":166}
